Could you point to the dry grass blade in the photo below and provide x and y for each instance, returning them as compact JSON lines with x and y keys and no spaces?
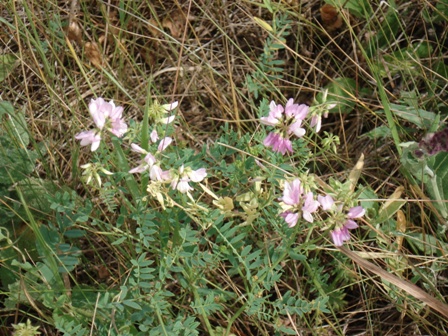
{"x":410,"y":288}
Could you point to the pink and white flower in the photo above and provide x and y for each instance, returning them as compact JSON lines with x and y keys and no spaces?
{"x":154,"y":136}
{"x":149,"y":162}
{"x":275,"y":115}
{"x":341,"y":233}
{"x":316,"y":121}
{"x":107,"y":116}
{"x":164,"y":143}
{"x":278,"y":143}
{"x":102,"y":112}
{"x":296,"y":203}
{"x":310,"y":205}
{"x":89,"y":138}
{"x":286,"y":121}
{"x":326,"y":202}
{"x":186,"y":175}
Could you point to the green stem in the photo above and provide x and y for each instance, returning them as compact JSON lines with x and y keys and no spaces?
{"x":202,"y":312}
{"x":123,"y":166}
{"x":234,"y":317}
{"x":197,"y":298}
{"x":145,"y":132}
{"x":389,"y":115}
{"x":259,"y":280}
{"x":162,"y":324}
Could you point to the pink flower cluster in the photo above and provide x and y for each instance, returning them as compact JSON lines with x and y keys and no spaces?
{"x":149,"y":162}
{"x":179,"y":180}
{"x":287,"y":121}
{"x":341,"y":234}
{"x":296,"y":203}
{"x":105,"y":116}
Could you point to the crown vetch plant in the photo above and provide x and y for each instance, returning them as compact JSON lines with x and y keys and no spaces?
{"x":286,"y":120}
{"x":242,"y":234}
{"x":169,"y":173}
{"x":175,"y":235}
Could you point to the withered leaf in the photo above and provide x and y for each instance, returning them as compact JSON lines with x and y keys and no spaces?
{"x":93,"y":53}
{"x":331,"y":18}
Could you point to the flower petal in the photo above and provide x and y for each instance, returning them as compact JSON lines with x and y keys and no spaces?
{"x":154,"y":136}
{"x":302,"y":112}
{"x":356,"y":212}
{"x":296,"y":129}
{"x":164,"y":143}
{"x":292,"y":192}
{"x":198,"y":175}
{"x":138,"y":149}
{"x":183,"y":186}
{"x":336,"y":236}
{"x":316,"y":120}
{"x":291,"y":218}
{"x":310,"y":205}
{"x":307,"y":216}
{"x":326,"y":202}
{"x":170,"y":107}
{"x":167,"y":120}
{"x":97,"y":111}
{"x":119,"y":127}
{"x":349,"y":224}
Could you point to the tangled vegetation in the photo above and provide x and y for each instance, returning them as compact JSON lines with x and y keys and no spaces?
{"x":223,"y":167}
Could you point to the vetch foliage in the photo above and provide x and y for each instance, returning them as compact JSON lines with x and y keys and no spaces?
{"x":168,"y":243}
{"x":180,"y":231}
{"x":269,"y":66}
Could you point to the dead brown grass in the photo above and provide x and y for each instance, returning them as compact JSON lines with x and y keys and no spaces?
{"x":199,"y":52}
